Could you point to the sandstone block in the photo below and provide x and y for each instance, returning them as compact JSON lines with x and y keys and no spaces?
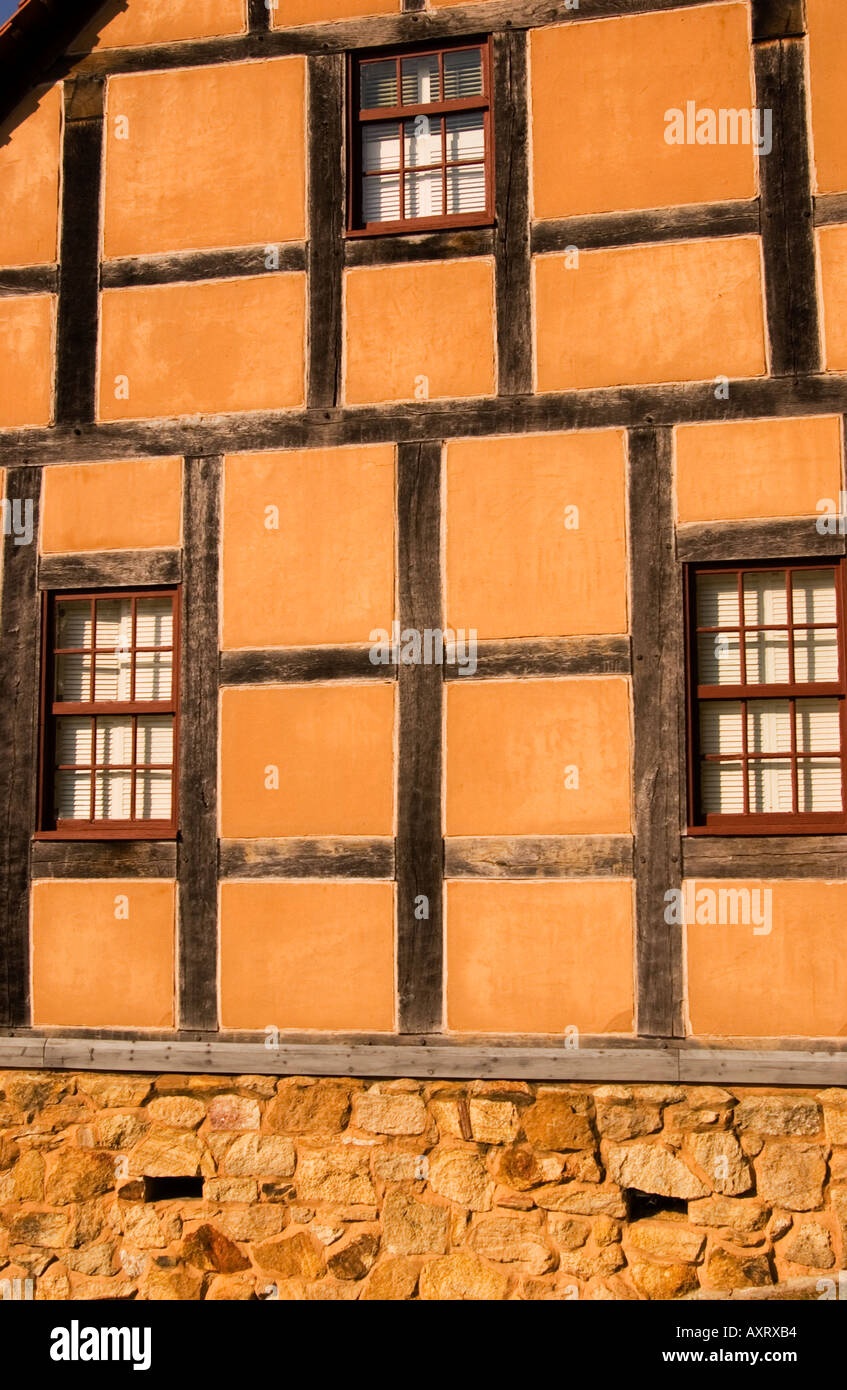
{"x":234,"y":1113}
{"x":791,"y":1175}
{"x":265,"y":1155}
{"x":652,"y":1168}
{"x":772,"y":1116}
{"x":514,"y":1239}
{"x":392,"y":1280}
{"x":293,"y":1257}
{"x":411,"y":1227}
{"x":555,"y":1122}
{"x":460,"y":1175}
{"x":309,"y":1107}
{"x":76,"y":1174}
{"x":389,"y":1114}
{"x":726,"y":1270}
{"x":811,"y":1245}
{"x":461,"y":1275}
{"x":354,"y":1260}
{"x":656,"y":1281}
{"x":340,"y":1174}
{"x":720,"y":1157}
{"x":666,"y":1240}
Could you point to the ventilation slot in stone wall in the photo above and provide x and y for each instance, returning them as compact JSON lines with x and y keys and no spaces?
{"x":642,"y":1204}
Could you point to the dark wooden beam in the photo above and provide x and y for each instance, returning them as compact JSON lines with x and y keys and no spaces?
{"x":656,"y":224}
{"x":512,"y":257}
{"x":547,"y":656}
{"x":530,"y":856}
{"x":29,"y":279}
{"x":198,"y":752}
{"x":830,"y":209}
{"x":258,"y":16}
{"x":420,"y":948}
{"x":421,"y":246}
{"x":104,"y":859}
{"x":765,"y":856}
{"x":185,"y":266}
{"x":325,"y":135}
{"x":19,"y":701}
{"x":110,"y":568}
{"x":617,"y":407}
{"x":659,"y":728}
{"x":778,"y":19}
{"x":285,"y":665}
{"x":79,"y":254}
{"x":788,"y":239}
{"x":772,"y":539}
{"x":344,"y":857}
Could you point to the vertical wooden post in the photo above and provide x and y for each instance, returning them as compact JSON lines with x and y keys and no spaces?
{"x":513,"y":261}
{"x":326,"y":226}
{"x":79,"y":252}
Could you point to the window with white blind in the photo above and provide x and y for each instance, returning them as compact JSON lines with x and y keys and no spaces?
{"x":421,"y":140}
{"x":767,"y":708}
{"x":110,"y":714}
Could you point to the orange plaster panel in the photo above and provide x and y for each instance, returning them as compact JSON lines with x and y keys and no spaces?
{"x":307,"y":955}
{"x":103,"y":954}
{"x":757,"y":468}
{"x":209,"y":156}
{"x":308,"y":551}
{"x":207,"y":348}
{"x":520,"y":561}
{"x":286,"y":13}
{"x":30,"y":152}
{"x":827,"y":26}
{"x":112,"y":506}
{"x":538,"y":757}
{"x":603,"y":149}
{"x":26,"y":360}
{"x":539,"y":957}
{"x":789,"y":981}
{"x":329,"y":749}
{"x":127,"y":25}
{"x":679,"y":311}
{"x":419,"y":331}
{"x":832,"y":253}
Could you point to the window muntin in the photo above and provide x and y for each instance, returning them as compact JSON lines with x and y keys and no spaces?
{"x":767,"y":707}
{"x":421,"y":140}
{"x":109,"y":736}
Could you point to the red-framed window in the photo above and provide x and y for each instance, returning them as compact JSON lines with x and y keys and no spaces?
{"x":420,"y":139}
{"x":110,"y":715}
{"x":767,"y":706}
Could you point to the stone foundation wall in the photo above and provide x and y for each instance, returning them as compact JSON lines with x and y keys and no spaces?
{"x":342,"y":1189}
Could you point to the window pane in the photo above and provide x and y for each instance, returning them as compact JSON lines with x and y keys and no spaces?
{"x":422,"y":141}
{"x":769,"y":781}
{"x":113,"y":675}
{"x":154,"y":622}
{"x":818,"y":726}
{"x":155,"y":739}
{"x":153,"y":795}
{"x":466,"y":135}
{"x":722,"y":789}
{"x":73,"y":678}
{"x":462,"y":74}
{"x":719,"y":658}
{"x":720,"y":726}
{"x":112,"y":795}
{"x":424,"y":194}
{"x":72,"y":796}
{"x":73,"y":741}
{"x":378,"y":84}
{"x":153,"y":675}
{"x":114,"y":623}
{"x":813,"y":596}
{"x":819,"y":785}
{"x":420,"y":80}
{"x":381,"y":198}
{"x":466,"y":188}
{"x":73,"y":624}
{"x":765,"y":598}
{"x":768,"y":726}
{"x":767,"y":658}
{"x":113,"y":742}
{"x":380,"y":146}
{"x":717,"y":600}
{"x":816,"y":654}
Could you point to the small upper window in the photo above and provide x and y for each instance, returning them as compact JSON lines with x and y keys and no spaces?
{"x":421,"y":140}
{"x":110,"y":708}
{"x":767,"y":706}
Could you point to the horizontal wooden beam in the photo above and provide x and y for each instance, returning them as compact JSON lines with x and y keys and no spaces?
{"x":830,"y":209}
{"x":104,"y":859}
{"x":778,"y":19}
{"x":282,"y":666}
{"x":653,"y":224}
{"x":432,"y":246}
{"x":765,"y":856}
{"x":29,"y":279}
{"x":819,"y":1066}
{"x":539,"y":856}
{"x":99,"y":569}
{"x":611,"y":407}
{"x":342,"y":857}
{"x":182,"y":266}
{"x":544,"y":656}
{"x":772,"y":539}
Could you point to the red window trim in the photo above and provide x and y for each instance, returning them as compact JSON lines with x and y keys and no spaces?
{"x":778,"y":823}
{"x":356,"y":117}
{"x":51,"y":710}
